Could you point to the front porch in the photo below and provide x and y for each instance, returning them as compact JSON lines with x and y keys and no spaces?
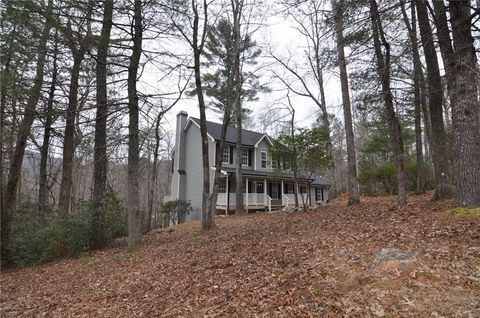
{"x":261,"y":193}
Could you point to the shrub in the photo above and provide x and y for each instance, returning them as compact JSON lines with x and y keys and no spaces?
{"x":176,"y":211}
{"x":32,"y":242}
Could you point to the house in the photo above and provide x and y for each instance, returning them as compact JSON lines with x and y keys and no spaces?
{"x":263,"y":188}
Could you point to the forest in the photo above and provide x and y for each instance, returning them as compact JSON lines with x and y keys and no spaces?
{"x":389,"y":91}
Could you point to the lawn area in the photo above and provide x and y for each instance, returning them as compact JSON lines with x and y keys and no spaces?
{"x":319,"y":263}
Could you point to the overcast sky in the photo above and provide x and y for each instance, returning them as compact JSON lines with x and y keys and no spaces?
{"x":279,"y":35}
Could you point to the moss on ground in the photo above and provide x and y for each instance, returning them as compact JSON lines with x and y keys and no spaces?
{"x":459,"y":212}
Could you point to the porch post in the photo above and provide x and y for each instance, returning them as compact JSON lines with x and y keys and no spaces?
{"x":228,"y":196}
{"x":246,"y":194}
{"x":281,"y":195}
{"x":265,"y":191}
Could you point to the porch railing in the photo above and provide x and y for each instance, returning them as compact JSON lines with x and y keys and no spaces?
{"x":251,"y":199}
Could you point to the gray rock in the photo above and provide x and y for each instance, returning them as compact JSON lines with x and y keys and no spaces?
{"x":395,"y":259}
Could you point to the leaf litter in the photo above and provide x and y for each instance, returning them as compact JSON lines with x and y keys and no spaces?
{"x":305,"y":264}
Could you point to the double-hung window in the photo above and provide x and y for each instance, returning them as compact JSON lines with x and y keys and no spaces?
{"x":263,"y":157}
{"x":245,"y":152}
{"x":226,"y":154}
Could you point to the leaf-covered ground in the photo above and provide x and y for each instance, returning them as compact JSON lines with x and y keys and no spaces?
{"x":320,"y":263}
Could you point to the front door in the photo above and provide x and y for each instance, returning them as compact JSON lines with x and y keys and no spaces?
{"x":259,"y":187}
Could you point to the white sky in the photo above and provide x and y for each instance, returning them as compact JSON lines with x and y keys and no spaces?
{"x":279,"y":34}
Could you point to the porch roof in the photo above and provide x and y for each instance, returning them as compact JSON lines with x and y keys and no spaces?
{"x":315,"y":179}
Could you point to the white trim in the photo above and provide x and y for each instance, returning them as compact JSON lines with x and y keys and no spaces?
{"x":190,"y":120}
{"x":268,"y":139}
{"x":255,"y":158}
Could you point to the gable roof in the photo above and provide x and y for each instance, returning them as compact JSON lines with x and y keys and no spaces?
{"x":249,"y":137}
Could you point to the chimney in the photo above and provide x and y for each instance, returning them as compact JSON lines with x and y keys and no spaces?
{"x":178,"y":178}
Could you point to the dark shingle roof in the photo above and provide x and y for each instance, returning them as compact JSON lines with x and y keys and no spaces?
{"x":319,"y":180}
{"x":249,"y":138}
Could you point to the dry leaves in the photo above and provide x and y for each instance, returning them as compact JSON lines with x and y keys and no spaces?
{"x":313,"y":264}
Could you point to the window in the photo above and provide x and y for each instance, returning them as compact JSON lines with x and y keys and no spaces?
{"x":263,"y":157}
{"x":226,"y":154}
{"x":245,"y":152}
{"x":222,"y":186}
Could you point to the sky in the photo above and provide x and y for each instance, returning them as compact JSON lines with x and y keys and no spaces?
{"x":278,"y":35}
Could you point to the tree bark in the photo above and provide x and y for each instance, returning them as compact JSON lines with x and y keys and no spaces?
{"x":353,"y":197}
{"x":100,"y":160}
{"x":133,"y":204}
{"x":438,"y":141}
{"x":466,"y":114}
{"x":43,"y":178}
{"x":23,"y":133}
{"x":417,"y":82}
{"x":239,"y":204}
{"x":383,"y":69}
{"x":207,"y":217}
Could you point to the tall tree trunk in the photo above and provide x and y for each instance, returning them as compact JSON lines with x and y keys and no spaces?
{"x":100,"y":160}
{"x":466,"y":114}
{"x":446,"y":49}
{"x":207,"y":217}
{"x":69,"y":136}
{"x":438,"y":141}
{"x":153,"y":174}
{"x":417,"y":82}
{"x":43,"y":179}
{"x":23,"y":133}
{"x":353,"y":197}
{"x":383,"y":69}
{"x":325,"y":119}
{"x":133,"y":204}
{"x":239,"y":204}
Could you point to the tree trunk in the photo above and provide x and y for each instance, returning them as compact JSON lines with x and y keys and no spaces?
{"x":438,"y":141}
{"x":153,"y":173}
{"x":466,"y":114}
{"x":353,"y":197}
{"x":69,"y":136}
{"x":133,"y":199}
{"x":239,"y":204}
{"x":100,"y":159}
{"x":207,"y":217}
{"x":417,"y":82}
{"x":23,"y":133}
{"x":383,"y":69}
{"x":43,"y":179}
{"x":445,"y":43}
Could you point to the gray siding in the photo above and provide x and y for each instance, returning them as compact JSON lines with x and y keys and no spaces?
{"x":193,"y":170}
{"x":258,"y":159}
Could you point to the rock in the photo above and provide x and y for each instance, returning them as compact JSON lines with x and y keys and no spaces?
{"x":394,"y":259}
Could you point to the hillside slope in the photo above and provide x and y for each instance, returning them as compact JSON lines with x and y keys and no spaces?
{"x":320,"y":263}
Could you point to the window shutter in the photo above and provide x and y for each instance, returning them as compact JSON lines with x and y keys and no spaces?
{"x":231,"y":154}
{"x":217,"y":149}
{"x":250,"y":157}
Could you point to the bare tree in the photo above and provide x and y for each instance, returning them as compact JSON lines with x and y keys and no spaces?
{"x":133,"y":200}
{"x":383,"y":69}
{"x":23,"y":133}
{"x":417,"y":83}
{"x":438,"y":141}
{"x":44,"y":149}
{"x":353,"y":197}
{"x":79,"y":44}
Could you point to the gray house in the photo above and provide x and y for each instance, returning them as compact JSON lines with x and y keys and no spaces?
{"x":263,"y":187}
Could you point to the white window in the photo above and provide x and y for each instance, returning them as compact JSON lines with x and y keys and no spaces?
{"x":226,"y":154}
{"x":222,"y":187}
{"x":245,"y":152}
{"x":263,"y":157}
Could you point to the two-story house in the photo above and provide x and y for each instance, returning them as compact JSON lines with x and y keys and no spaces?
{"x":263,"y":187}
